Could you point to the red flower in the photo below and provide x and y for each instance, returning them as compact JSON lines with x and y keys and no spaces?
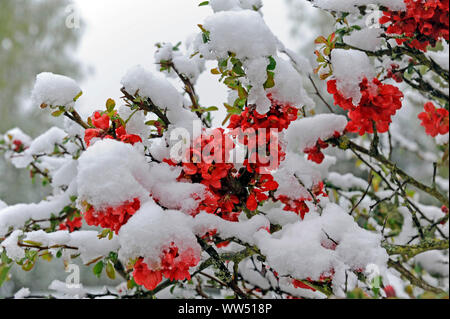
{"x":297,"y":206}
{"x":252,"y":204}
{"x":300,"y":284}
{"x":71,"y":225}
{"x":146,"y":277}
{"x":91,"y":133}
{"x":173,"y":266}
{"x":379,"y":102}
{"x":390,"y":292}
{"x":112,"y":217}
{"x":100,"y":121}
{"x":435,"y":121}
{"x":315,"y":153}
{"x":103,"y":130}
{"x":423,"y":23}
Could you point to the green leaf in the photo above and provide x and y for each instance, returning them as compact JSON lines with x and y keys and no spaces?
{"x":204,"y":3}
{"x":57,"y":113}
{"x":272,"y":64}
{"x":98,"y":268}
{"x":33,"y":243}
{"x":110,"y":105}
{"x":242,"y":93}
{"x":4,"y":270}
{"x":211,"y":109}
{"x":270,"y":83}
{"x":110,"y":271}
{"x":78,"y":96}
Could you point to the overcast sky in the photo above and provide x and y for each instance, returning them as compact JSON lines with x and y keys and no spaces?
{"x":120,"y":34}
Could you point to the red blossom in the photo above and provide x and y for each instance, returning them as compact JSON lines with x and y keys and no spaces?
{"x":112,"y":217}
{"x":172,"y":265}
{"x":390,"y":292}
{"x":423,"y":23}
{"x":103,"y":130}
{"x":71,"y":225}
{"x":379,"y":102}
{"x":435,"y":121}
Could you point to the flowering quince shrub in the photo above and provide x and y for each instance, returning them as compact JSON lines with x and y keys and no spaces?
{"x":150,"y":193}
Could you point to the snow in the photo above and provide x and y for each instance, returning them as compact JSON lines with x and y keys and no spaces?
{"x":16,"y":134}
{"x":440,"y":57}
{"x":62,"y":290}
{"x":43,"y":144}
{"x":234,"y":5}
{"x":22,"y":293}
{"x":347,"y":181}
{"x":161,"y":92}
{"x":136,"y":123}
{"x":151,"y":230}
{"x":15,"y":216}
{"x":54,"y":90}
{"x":294,"y":168}
{"x":185,"y":62}
{"x":287,"y":252}
{"x":252,"y":39}
{"x":305,"y":133}
{"x":243,"y":230}
{"x":435,"y":262}
{"x":88,"y":245}
{"x":111,"y":173}
{"x":366,"y":39}
{"x":352,"y":5}
{"x":65,"y":174}
{"x":10,"y":244}
{"x":172,"y":194}
{"x":289,"y":85}
{"x":348,"y":82}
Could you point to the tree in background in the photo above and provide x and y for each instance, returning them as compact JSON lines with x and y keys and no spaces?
{"x":33,"y":38}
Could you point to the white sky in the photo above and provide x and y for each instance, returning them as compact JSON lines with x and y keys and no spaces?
{"x":121,"y":33}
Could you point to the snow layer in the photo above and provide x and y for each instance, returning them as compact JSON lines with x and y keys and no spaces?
{"x":111,"y":173}
{"x":352,"y":5}
{"x":305,"y":132}
{"x":151,"y":230}
{"x":299,"y":249}
{"x":54,"y":90}
{"x":360,"y":66}
{"x":242,"y":32}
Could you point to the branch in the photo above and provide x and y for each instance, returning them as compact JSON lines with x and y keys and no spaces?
{"x":412,"y":279}
{"x":413,"y":250}
{"x":344,"y":143}
{"x":148,"y":106}
{"x":400,"y":50}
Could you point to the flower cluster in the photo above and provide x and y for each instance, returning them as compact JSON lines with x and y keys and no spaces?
{"x":423,"y":23}
{"x":102,"y":130}
{"x":435,"y":121}
{"x":299,"y":205}
{"x":379,"y":102}
{"x":172,"y":265}
{"x":251,"y":122}
{"x":112,"y":217}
